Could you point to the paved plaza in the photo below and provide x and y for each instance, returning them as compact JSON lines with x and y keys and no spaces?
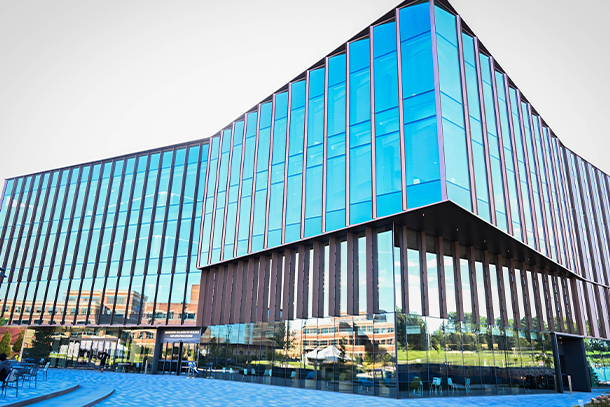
{"x":158,"y":390}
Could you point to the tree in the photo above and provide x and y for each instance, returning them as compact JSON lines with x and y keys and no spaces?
{"x":41,"y":344}
{"x":18,"y":343}
{"x":5,"y":343}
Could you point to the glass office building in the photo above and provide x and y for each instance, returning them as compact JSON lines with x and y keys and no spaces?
{"x":397,"y":221}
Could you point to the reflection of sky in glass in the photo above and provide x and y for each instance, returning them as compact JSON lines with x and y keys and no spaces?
{"x":343,"y":300}
{"x":493,"y":279}
{"x":450,"y":284}
{"x":414,"y":282}
{"x":397,"y":279}
{"x":433,"y":292}
{"x":481,"y":291}
{"x":466,"y":295}
{"x":507,"y":292}
{"x":385,"y":271}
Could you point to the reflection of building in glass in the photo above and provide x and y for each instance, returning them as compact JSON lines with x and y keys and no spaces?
{"x":397,"y":221}
{"x":356,"y":334}
{"x":115,"y":303}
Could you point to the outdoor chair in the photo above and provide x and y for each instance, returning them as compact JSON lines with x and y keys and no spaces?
{"x":452,"y":386}
{"x":29,"y":376}
{"x":45,"y":371}
{"x":245,"y":374}
{"x":467,"y":387}
{"x":293,"y":377}
{"x":365,"y":385}
{"x":500,"y":385}
{"x":11,"y":380}
{"x":417,"y":386}
{"x":267,"y":376}
{"x":191,"y":370}
{"x":328,"y":379}
{"x":436,"y":385}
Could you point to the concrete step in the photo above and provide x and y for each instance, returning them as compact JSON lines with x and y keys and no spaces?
{"x":86,"y":395}
{"x":42,"y":398}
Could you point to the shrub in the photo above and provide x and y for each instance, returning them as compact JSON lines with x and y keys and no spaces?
{"x":600,"y":401}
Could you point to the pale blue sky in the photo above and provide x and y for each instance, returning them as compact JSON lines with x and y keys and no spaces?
{"x":81,"y":81}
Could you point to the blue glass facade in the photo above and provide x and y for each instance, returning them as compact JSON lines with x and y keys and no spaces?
{"x":119,"y":226}
{"x":303,"y":226}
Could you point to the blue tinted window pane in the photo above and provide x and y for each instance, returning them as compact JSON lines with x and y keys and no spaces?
{"x":421,"y":137}
{"x":199,"y":202}
{"x":221,"y":195}
{"x":247,"y":184}
{"x":494,"y":145}
{"x":595,"y":220}
{"x":229,"y":243}
{"x":511,"y":175}
{"x":361,"y":204}
{"x":523,"y":178}
{"x":548,"y":150}
{"x":387,"y":136}
{"x":294,"y":185}
{"x":601,"y":202}
{"x":335,"y":144}
{"x":454,"y":133}
{"x":5,"y":200}
{"x":564,"y":205}
{"x":262,"y":170}
{"x":529,"y":150}
{"x":476,"y":129}
{"x":544,"y":193}
{"x":315,"y":135}
{"x":209,"y":200}
{"x":278,"y":159}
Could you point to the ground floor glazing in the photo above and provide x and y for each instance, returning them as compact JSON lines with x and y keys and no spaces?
{"x":388,"y":355}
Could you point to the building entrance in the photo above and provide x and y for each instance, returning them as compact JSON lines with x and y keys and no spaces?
{"x":175,"y":357}
{"x":176,"y":347}
{"x":571,"y":360}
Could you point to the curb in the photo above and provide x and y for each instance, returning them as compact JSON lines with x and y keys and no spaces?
{"x":94,"y":402}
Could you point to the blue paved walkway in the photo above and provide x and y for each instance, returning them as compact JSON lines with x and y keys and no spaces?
{"x":140,"y":390}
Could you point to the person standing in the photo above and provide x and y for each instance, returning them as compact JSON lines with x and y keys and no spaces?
{"x":102,"y":356}
{"x":5,"y":366}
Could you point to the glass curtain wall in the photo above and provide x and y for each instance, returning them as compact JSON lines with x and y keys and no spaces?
{"x":100,"y":243}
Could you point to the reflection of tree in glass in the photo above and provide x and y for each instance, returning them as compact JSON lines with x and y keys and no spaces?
{"x":284,"y":339}
{"x":410,"y":323}
{"x":342,"y":350}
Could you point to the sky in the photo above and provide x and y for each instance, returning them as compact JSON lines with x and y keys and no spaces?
{"x":83,"y":81}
